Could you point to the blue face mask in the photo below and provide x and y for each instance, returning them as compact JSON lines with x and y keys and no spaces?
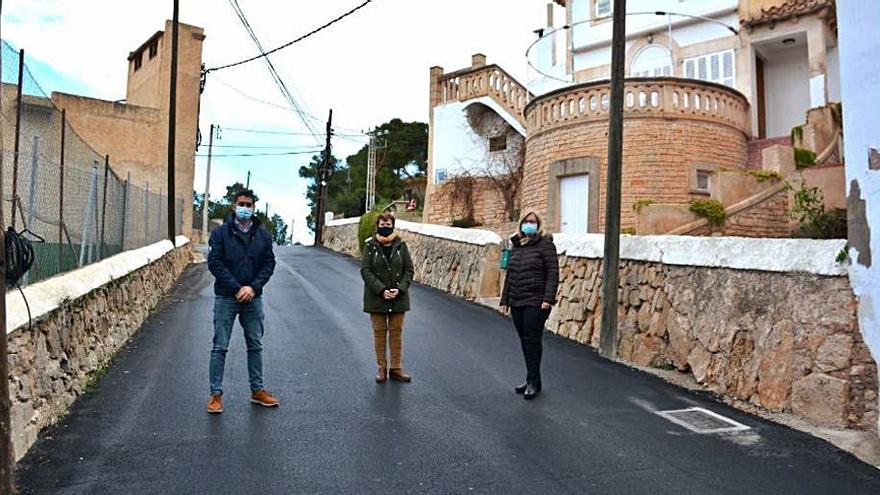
{"x":529,"y":228}
{"x":243,"y":212}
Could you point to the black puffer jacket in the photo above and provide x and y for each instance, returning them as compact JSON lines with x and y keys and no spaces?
{"x":532,"y":273}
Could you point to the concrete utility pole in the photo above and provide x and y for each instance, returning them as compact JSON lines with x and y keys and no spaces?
{"x":611,"y":259}
{"x":5,"y":404}
{"x":322,"y":183}
{"x":207,"y":197}
{"x":247,"y":184}
{"x":172,"y":125}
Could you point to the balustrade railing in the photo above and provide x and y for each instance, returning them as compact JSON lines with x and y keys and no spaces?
{"x":673,"y":98}
{"x":489,"y":81}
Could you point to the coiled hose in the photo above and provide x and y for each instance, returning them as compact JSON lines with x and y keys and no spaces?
{"x":19,"y":259}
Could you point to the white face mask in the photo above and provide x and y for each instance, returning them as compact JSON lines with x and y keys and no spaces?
{"x":529,"y":228}
{"x":244,"y":213}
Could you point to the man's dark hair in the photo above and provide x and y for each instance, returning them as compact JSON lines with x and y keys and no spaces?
{"x":246,"y":193}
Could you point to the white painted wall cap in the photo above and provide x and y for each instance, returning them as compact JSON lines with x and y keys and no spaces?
{"x":772,"y":255}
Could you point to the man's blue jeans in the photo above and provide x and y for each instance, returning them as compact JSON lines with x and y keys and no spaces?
{"x":251,"y":316}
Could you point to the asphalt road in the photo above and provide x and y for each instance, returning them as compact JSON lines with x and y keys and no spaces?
{"x":458,"y":428}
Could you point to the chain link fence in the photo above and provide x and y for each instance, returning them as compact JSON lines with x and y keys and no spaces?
{"x":60,"y":190}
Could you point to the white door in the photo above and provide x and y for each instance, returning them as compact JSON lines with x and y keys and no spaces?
{"x":573,"y":203}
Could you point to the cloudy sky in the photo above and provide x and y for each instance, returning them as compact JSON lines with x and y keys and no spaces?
{"x":369,"y":68}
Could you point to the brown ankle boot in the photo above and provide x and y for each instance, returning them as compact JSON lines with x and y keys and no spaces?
{"x":398,"y":375}
{"x":382,"y":374}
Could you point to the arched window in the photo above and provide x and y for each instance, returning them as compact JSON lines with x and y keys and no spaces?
{"x":652,"y":61}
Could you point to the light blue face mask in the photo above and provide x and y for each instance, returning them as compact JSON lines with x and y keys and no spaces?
{"x":243,"y":212}
{"x":529,"y":228}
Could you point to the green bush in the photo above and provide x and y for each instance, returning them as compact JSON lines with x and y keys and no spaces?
{"x":367,"y":227}
{"x":710,"y":209}
{"x":804,"y":158}
{"x":815,"y":222}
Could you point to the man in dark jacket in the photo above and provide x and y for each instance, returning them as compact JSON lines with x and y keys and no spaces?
{"x":242,"y":261}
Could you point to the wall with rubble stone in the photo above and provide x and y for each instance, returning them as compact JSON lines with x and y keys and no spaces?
{"x":782,"y":335}
{"x":462,"y":262}
{"x":81,"y":319}
{"x":768,"y":321}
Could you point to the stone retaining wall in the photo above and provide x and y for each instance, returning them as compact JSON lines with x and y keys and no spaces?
{"x":342,"y":236}
{"x":51,"y":364}
{"x":785,"y":340}
{"x":463,"y":262}
{"x":768,"y":321}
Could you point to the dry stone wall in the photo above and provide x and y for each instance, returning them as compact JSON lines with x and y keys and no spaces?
{"x":51,"y":363}
{"x":463,"y":262}
{"x":788,"y":342}
{"x":342,"y":236}
{"x":768,"y":321}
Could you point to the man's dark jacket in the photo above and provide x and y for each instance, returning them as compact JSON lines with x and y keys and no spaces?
{"x":532,"y":273}
{"x":238,"y":259}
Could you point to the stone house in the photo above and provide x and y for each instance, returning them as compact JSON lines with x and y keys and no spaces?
{"x":719,"y":93}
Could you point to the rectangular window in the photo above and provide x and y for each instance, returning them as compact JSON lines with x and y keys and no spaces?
{"x":714,"y":67}
{"x":603,"y":8}
{"x":138,"y":60}
{"x":703,"y":179}
{"x":154,"y":48}
{"x":441,"y":175}
{"x":498,"y":143}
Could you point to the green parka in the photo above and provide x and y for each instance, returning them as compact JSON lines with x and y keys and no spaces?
{"x":381,"y":273}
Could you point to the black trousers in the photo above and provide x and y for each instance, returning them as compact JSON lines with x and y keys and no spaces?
{"x":529,"y":322}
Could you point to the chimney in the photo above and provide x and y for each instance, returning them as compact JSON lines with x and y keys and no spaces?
{"x":478,"y":60}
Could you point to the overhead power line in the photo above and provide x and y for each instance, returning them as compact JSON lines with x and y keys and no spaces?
{"x":261,"y":147}
{"x":297,"y":40}
{"x":283,"y":133}
{"x":285,"y":92}
{"x":288,"y":153}
{"x":350,"y":131}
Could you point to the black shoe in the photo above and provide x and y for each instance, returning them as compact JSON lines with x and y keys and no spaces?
{"x":521,"y":388}
{"x":532,"y":390}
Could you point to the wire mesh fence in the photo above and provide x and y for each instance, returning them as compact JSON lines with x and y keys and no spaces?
{"x":59,"y":189}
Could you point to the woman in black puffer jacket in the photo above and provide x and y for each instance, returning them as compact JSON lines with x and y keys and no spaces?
{"x":529,"y":293}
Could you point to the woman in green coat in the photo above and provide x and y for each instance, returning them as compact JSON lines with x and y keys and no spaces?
{"x":387,"y":270}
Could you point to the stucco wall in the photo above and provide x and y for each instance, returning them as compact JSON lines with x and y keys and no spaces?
{"x":787,"y":76}
{"x":81,"y":319}
{"x":860,"y":89}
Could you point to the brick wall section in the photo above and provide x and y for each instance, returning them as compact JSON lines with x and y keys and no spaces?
{"x":756,"y":148}
{"x":766,"y":219}
{"x":50,"y":364}
{"x":656,"y":159}
{"x":788,"y":342}
{"x":488,"y":204}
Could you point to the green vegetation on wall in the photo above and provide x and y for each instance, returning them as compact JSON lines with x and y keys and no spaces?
{"x":804,"y":158}
{"x":638,"y":205}
{"x":710,"y":209}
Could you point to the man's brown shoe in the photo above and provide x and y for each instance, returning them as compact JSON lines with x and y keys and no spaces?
{"x":264,"y":398}
{"x":382,"y":374}
{"x":398,"y":375}
{"x":215,"y":405}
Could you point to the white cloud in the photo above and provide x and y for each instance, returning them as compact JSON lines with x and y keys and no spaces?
{"x":371,"y":67}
